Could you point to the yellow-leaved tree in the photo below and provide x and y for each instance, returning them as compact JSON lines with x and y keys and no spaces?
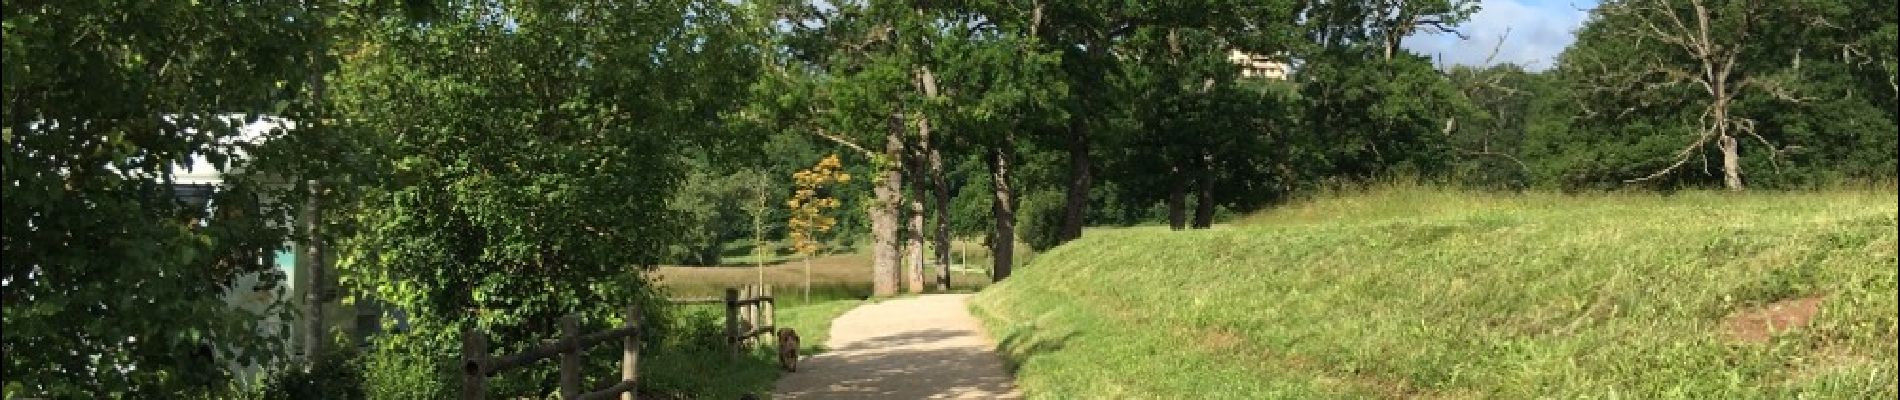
{"x":810,"y":205}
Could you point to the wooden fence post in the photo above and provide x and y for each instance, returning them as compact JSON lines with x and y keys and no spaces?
{"x":732,"y":320}
{"x":751,"y":315}
{"x":474,"y":364}
{"x":630,"y":354}
{"x":571,"y":357}
{"x":770,"y":317}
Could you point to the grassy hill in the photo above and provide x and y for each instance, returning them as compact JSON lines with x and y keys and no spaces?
{"x":1417,"y":292}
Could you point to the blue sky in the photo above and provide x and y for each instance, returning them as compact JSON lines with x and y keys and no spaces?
{"x":1539,"y":30}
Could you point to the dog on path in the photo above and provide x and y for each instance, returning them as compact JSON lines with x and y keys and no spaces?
{"x":788,"y":349}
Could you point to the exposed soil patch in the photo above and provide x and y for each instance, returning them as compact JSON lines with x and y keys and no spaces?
{"x":1757,"y":325}
{"x":1219,"y":340}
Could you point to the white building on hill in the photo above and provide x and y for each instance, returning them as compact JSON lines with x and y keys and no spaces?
{"x":1258,"y":66}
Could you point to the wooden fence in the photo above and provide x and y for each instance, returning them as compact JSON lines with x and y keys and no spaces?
{"x":751,"y":311}
{"x":746,"y":318}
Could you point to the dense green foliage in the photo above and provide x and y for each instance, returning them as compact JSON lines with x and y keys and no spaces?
{"x":714,"y":210}
{"x":1419,"y":292}
{"x":113,"y":286}
{"x":523,"y":153}
{"x":1800,"y":84}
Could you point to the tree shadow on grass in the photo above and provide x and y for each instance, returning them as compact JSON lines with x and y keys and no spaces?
{"x":1025,"y":341}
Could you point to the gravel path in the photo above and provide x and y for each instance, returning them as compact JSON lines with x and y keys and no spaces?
{"x":925,"y":347}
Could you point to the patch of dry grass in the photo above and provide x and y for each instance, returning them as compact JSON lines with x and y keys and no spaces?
{"x":835,"y":276}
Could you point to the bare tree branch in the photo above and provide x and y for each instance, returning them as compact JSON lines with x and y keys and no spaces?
{"x":1496,"y":46}
{"x":841,"y":140}
{"x":1507,"y":156}
{"x":1682,"y":157}
{"x":1774,"y":154}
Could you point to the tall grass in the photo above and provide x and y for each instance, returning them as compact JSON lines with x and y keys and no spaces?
{"x":1408,"y":291}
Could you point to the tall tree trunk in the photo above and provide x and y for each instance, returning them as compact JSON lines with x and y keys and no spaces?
{"x":1075,"y":206}
{"x":914,"y":257}
{"x":941,"y":188}
{"x":1003,"y":202}
{"x":1177,"y":200}
{"x":1177,"y":174}
{"x":1390,"y":43}
{"x":1724,"y":139}
{"x":1731,"y":163}
{"x":938,"y":186}
{"x":1003,"y":209}
{"x":884,"y":225}
{"x":318,"y":294}
{"x":1204,"y":195}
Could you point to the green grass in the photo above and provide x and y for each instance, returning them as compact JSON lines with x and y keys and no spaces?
{"x":813,"y":322}
{"x":694,"y":365}
{"x":1421,"y":292}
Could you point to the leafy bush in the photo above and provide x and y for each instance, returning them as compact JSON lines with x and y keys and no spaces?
{"x":1039,"y":223}
{"x":699,"y":328}
{"x":337,"y":375}
{"x":410,"y":365}
{"x":691,"y":361}
{"x":970,"y":209}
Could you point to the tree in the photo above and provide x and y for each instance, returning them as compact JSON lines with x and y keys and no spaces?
{"x":1692,"y":59}
{"x":1202,"y":130}
{"x":112,"y":285}
{"x":524,"y":155}
{"x":1084,"y":32}
{"x":999,"y":84}
{"x":844,"y":80}
{"x":808,"y":207}
{"x":713,"y":208}
{"x":1380,"y":112}
{"x":1096,"y":38}
{"x":1488,"y":142}
{"x":929,"y":159}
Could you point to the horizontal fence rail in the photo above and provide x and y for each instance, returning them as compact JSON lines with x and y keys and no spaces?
{"x":478,"y":365}
{"x":750,"y":312}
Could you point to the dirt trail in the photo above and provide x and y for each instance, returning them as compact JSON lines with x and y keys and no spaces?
{"x":925,"y":347}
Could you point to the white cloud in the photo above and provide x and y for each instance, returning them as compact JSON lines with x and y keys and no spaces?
{"x":1538,"y":31}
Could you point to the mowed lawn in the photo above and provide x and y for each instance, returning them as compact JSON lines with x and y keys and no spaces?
{"x":1426,"y":293}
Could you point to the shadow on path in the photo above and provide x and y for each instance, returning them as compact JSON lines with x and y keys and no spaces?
{"x":926,"y":347}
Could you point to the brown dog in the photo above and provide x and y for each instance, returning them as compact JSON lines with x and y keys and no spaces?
{"x":788,"y":349}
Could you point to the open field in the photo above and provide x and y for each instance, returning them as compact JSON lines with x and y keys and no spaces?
{"x":1419,"y":292}
{"x":836,"y":276}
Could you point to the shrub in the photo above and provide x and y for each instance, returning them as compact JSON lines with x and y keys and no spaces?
{"x":1040,"y":221}
{"x":410,"y":365}
{"x":336,"y":375}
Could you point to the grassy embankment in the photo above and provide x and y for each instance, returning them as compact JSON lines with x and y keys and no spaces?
{"x":1418,"y":292}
